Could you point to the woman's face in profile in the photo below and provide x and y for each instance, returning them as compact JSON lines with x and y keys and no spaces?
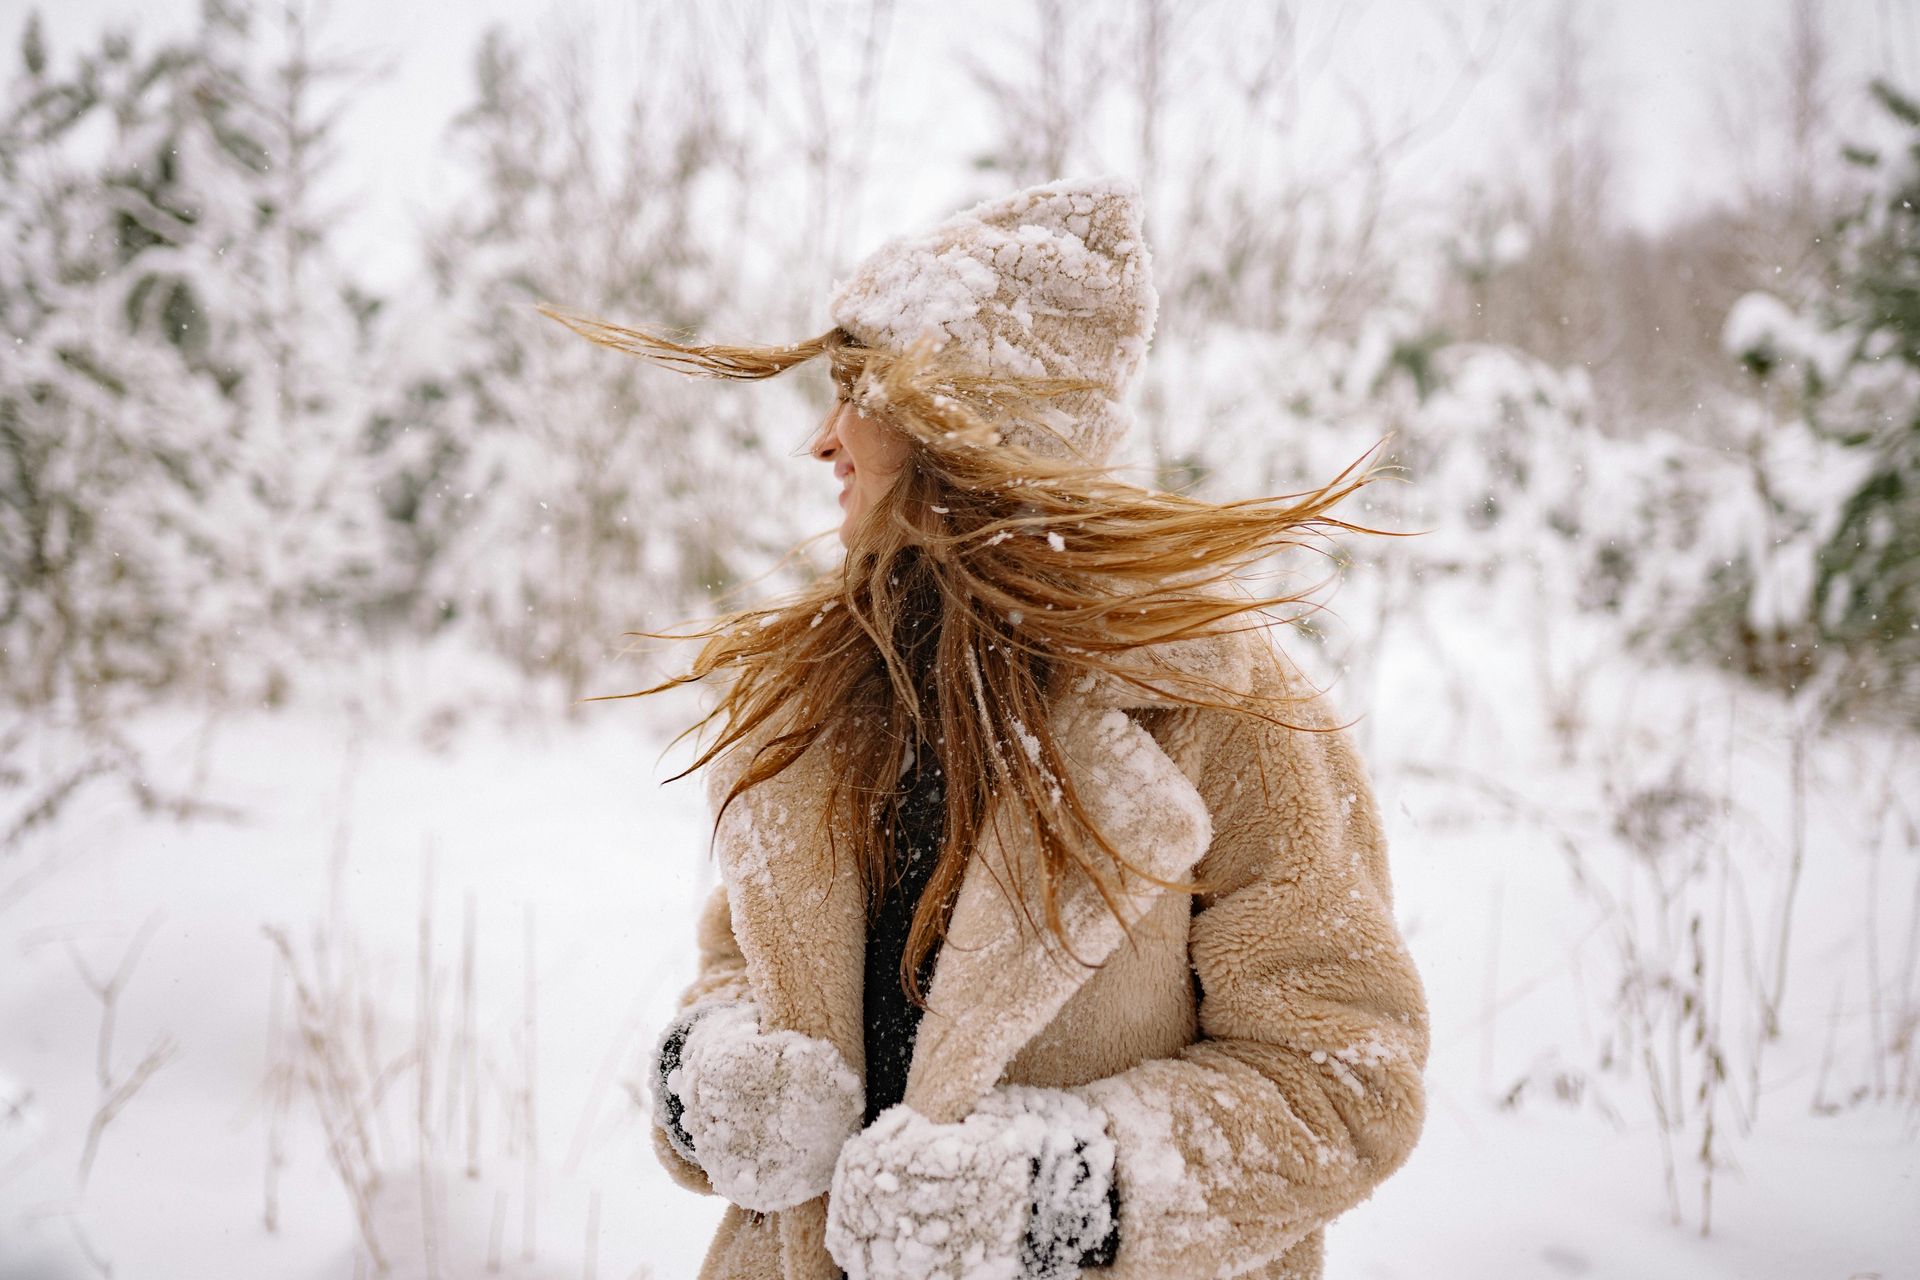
{"x":866,"y":458}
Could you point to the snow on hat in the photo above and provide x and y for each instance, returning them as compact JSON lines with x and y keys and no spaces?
{"x":1053,"y":280}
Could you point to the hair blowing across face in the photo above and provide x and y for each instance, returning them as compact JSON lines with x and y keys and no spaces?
{"x":1039,"y":572}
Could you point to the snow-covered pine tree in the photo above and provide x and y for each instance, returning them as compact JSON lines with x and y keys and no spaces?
{"x":107,"y":448}
{"x":1827,"y":584}
{"x":1867,"y":587}
{"x":298,"y":499}
{"x":184,"y":487}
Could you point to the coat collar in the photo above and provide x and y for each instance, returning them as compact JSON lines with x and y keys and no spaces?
{"x":800,"y":920}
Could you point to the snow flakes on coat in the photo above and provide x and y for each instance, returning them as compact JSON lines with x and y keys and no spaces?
{"x":1255,"y":1050}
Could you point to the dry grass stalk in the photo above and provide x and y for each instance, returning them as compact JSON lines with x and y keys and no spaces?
{"x":107,"y":991}
{"x":1797,"y":856}
{"x":339,"y":1093}
{"x":424,"y":1040}
{"x":468,"y":1055}
{"x":280,"y":1084}
{"x":498,"y":1231}
{"x":115,"y":1095}
{"x":164,"y":1051}
{"x":530,"y":1152}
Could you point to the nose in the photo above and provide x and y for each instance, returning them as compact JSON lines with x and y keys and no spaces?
{"x":826,"y":442}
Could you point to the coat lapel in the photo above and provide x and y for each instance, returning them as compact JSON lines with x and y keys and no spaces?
{"x":799,"y":919}
{"x":800,"y":923}
{"x":1002,"y":976}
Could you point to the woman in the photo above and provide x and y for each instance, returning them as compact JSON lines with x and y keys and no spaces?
{"x":1055,"y":934}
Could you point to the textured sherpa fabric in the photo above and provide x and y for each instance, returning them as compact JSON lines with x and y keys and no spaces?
{"x":1054,"y":280}
{"x":1255,"y":1050}
{"x":765,"y":1111}
{"x":914,"y":1200}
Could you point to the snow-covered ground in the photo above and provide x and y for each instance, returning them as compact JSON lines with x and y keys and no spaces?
{"x":1538,"y":870}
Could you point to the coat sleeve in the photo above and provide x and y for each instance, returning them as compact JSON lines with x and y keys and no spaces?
{"x":721,"y":978}
{"x":1303,"y":1090}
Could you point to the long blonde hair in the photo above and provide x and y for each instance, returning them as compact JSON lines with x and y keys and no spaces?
{"x":1038,"y":570}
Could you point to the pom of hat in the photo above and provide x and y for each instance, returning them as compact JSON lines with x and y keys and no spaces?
{"x":1053,"y":281}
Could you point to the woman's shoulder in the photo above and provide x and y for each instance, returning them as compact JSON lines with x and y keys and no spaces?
{"x":727,"y":767}
{"x":1237,"y":663}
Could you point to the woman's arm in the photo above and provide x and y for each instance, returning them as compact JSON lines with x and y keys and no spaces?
{"x":1305,"y":1089}
{"x":721,"y":980}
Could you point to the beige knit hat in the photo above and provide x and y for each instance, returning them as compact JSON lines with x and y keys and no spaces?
{"x":1054,"y":280}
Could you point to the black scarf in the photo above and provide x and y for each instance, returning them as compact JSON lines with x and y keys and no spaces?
{"x":892,"y":1019}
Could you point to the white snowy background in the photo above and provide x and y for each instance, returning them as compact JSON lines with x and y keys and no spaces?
{"x":334,"y":924}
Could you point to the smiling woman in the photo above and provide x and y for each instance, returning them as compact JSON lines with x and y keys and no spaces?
{"x":867,"y":457}
{"x":1056,"y":933}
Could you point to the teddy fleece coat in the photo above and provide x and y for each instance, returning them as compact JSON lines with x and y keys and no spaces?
{"x":1256,"y":1048}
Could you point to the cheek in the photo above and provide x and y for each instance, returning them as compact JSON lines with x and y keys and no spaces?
{"x":878,"y":481}
{"x":872,"y":447}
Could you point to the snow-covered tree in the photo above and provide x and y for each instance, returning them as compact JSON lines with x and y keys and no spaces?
{"x":183,"y":489}
{"x":1830,"y":585}
{"x":1868,"y":580}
